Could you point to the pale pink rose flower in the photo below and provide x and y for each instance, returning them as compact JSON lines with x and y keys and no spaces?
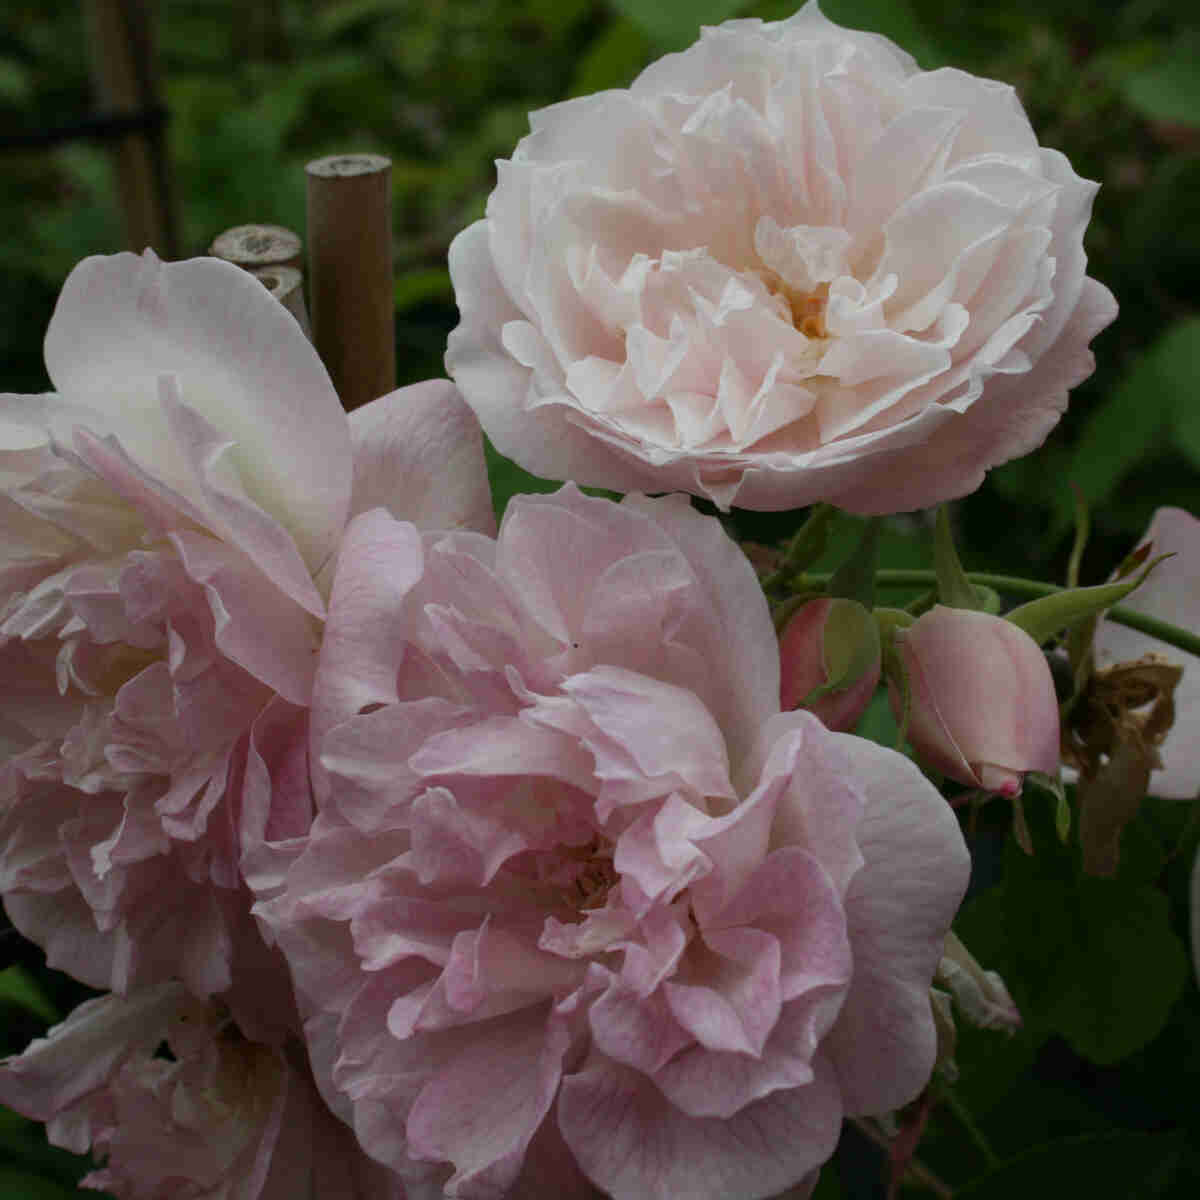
{"x":785,"y":265}
{"x":1171,"y":593}
{"x":168,"y":524}
{"x":982,"y":708}
{"x":178,"y":1105}
{"x":584,"y":909}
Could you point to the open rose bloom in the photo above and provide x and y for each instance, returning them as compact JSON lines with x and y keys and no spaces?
{"x":169,"y":518}
{"x":785,"y":265}
{"x":582,"y":908}
{"x":182,"y":1107}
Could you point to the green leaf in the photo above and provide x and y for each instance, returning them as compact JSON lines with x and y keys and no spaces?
{"x":990,"y":1063}
{"x":612,"y":60}
{"x":895,"y":19}
{"x":20,"y":989}
{"x":1095,"y":960}
{"x":674,"y":24}
{"x":1170,"y":90}
{"x":855,"y":578}
{"x":333,"y":20}
{"x":1048,"y":615}
{"x":1158,"y":391}
{"x":418,"y":287}
{"x":1062,"y":809}
{"x":1177,"y":359}
{"x":26,"y":1186}
{"x":557,"y":15}
{"x":14,"y":80}
{"x":508,"y":480}
{"x":1102,"y":1166}
{"x":24,"y":1150}
{"x":809,"y":542}
{"x":850,"y":646}
{"x":877,"y":723}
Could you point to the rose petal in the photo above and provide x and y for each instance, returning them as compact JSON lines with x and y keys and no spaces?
{"x":241,"y":361}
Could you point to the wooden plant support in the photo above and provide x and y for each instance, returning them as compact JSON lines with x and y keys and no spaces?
{"x":124,"y":82}
{"x":350,"y":275}
{"x":257,"y":246}
{"x":272,"y":255}
{"x":286,"y":284}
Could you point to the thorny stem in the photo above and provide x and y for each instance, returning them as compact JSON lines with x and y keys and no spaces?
{"x":920,"y":1173}
{"x":1163,"y":631}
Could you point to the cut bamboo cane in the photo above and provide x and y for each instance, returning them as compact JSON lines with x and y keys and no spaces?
{"x":123,"y":77}
{"x":287,"y":286}
{"x":350,"y":281}
{"x":258,"y":246}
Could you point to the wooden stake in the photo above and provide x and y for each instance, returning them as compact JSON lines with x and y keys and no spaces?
{"x":123,"y":77}
{"x":256,"y":246}
{"x":287,"y":286}
{"x":271,"y":254}
{"x":351,"y":291}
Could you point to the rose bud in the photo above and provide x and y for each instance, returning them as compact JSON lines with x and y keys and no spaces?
{"x":981,"y":996}
{"x":982,"y":708}
{"x":830,"y":660}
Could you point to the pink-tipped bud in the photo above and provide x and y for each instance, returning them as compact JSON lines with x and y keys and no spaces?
{"x":830,"y":661}
{"x":982,"y":708}
{"x":981,"y":996}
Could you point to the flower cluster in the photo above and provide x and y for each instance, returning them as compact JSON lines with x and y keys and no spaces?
{"x":420,"y":858}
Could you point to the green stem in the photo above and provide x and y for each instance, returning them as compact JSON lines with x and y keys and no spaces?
{"x":1163,"y":631}
{"x":1083,"y":527}
{"x":960,"y":1110}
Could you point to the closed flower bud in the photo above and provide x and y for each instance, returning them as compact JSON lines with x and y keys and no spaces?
{"x":982,"y":708}
{"x":830,"y":661}
{"x":979,"y":995}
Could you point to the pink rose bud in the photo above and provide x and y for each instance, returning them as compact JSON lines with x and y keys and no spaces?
{"x":982,"y":704}
{"x":830,"y":661}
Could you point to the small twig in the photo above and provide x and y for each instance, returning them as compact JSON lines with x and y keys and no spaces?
{"x":963,"y":1114}
{"x":920,"y":1173}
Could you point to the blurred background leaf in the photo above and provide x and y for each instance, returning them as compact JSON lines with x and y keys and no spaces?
{"x":20,"y":989}
{"x":1169,"y":90}
{"x":1152,"y":409}
{"x":674,"y":24}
